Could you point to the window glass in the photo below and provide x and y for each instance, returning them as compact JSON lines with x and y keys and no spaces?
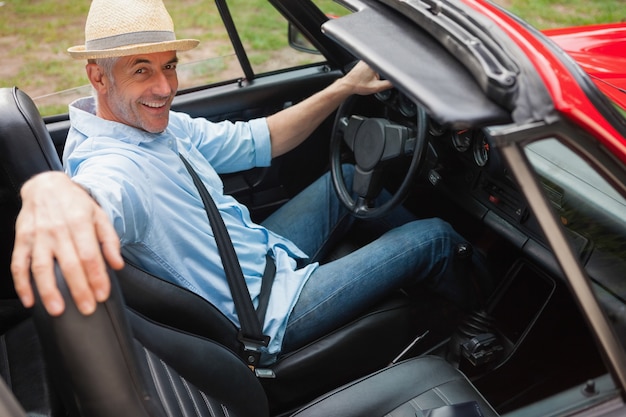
{"x":592,"y":211}
{"x":264,"y":35}
{"x":34,"y":37}
{"x":214,"y":59}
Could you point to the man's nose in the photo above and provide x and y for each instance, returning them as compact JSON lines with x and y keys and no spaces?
{"x":161,"y":85}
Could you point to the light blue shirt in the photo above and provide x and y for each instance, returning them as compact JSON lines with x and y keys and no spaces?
{"x":141,"y":183}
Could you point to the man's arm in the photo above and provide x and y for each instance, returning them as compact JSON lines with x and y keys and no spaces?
{"x":290,"y":127}
{"x":59,"y":220}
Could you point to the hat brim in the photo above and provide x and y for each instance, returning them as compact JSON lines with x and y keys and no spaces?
{"x":79,"y":52}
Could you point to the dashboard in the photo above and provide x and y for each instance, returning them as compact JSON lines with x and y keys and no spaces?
{"x":472,"y":142}
{"x":462,"y":160}
{"x":465,"y":168}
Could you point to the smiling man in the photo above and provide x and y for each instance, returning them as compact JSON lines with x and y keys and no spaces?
{"x":124,"y":149}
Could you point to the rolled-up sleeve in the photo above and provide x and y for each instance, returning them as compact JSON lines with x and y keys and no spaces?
{"x":262,"y":141}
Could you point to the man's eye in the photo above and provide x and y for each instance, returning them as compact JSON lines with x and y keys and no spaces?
{"x":170,"y":67}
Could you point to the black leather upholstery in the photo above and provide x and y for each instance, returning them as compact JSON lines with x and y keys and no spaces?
{"x":9,"y":407}
{"x":23,"y":369}
{"x":175,"y":306}
{"x":25,"y":150}
{"x":26,"y":147}
{"x":380,"y":334}
{"x":115,"y":362}
{"x":103,"y":368}
{"x":405,"y":389}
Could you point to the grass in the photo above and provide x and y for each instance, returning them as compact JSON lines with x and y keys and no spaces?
{"x":545,"y":14}
{"x":34,"y":34}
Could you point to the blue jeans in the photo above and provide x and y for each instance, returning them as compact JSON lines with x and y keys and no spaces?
{"x":411,"y":252}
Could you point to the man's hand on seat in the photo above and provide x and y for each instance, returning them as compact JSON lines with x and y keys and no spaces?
{"x":60,"y":221}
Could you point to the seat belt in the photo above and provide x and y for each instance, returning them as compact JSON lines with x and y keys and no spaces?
{"x":251,"y":333}
{"x":266,"y":288}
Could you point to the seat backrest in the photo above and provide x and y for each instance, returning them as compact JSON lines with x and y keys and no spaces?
{"x":175,"y":306}
{"x":26,"y":149}
{"x":115,"y":362}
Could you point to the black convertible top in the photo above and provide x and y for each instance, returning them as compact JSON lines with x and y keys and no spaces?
{"x":453,"y":89}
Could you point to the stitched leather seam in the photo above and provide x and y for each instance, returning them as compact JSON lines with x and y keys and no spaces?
{"x":157,"y":382}
{"x":191,"y":398}
{"x":176,"y":393}
{"x":208,"y":404}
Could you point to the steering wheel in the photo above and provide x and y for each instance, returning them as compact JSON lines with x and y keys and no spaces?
{"x":375,"y":142}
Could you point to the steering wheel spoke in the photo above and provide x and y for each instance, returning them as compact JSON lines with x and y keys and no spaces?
{"x":349,"y":126}
{"x":396,"y":139}
{"x":367,"y":184}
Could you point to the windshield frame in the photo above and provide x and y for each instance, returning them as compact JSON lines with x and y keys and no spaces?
{"x":510,"y":141}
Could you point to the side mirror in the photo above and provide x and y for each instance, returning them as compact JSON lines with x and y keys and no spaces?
{"x":299,"y":42}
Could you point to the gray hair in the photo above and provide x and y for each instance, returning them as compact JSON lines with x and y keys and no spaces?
{"x":107,"y":65}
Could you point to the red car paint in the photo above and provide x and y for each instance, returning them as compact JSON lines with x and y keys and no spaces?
{"x":590,"y":48}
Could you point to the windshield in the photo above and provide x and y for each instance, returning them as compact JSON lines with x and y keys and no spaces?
{"x":592,"y":212}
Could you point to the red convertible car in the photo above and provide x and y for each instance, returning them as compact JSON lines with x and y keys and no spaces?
{"x":516,"y":137}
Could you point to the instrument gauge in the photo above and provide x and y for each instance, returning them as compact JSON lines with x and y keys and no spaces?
{"x":434,"y":128}
{"x":462,"y":139}
{"x":406,"y":106}
{"x":481,"y":151}
{"x":384,"y":95}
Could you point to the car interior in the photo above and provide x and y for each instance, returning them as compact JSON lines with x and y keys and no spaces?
{"x":161,"y":350}
{"x":91,"y":358}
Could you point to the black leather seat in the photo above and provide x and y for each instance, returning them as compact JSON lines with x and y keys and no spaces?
{"x":25,"y":150}
{"x":362,"y":346}
{"x":115,"y":363}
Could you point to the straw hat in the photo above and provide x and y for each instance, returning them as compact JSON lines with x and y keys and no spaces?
{"x":128,"y":27}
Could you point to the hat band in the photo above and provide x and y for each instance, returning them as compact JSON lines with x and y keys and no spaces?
{"x":127,"y":39}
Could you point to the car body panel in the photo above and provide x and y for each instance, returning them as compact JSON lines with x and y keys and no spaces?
{"x":564,"y":83}
{"x":599,"y":50}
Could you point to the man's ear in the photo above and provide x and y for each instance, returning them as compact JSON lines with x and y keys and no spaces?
{"x":96,"y":77}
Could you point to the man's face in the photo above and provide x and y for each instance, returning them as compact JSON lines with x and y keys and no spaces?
{"x":141,"y":91}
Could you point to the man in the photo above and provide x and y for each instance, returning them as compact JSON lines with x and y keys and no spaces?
{"x":129,"y":186}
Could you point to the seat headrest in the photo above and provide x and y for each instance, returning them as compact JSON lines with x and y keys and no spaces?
{"x":26,"y":147}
